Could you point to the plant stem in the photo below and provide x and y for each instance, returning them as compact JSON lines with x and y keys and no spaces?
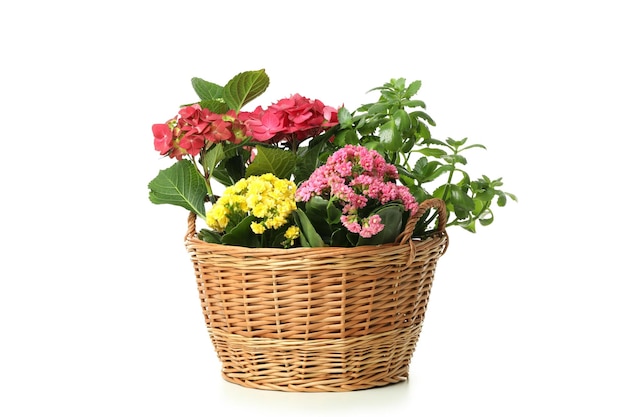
{"x":445,"y":191}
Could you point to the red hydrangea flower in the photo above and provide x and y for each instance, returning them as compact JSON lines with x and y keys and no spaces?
{"x":293,"y":119}
{"x":162,"y":138}
{"x":188,"y":133}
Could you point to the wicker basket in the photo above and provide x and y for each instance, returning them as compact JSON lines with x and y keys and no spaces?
{"x":317,"y":319}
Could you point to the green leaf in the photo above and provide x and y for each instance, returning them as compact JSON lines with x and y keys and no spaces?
{"x":402,"y":120}
{"x":412,"y":89}
{"x":346,"y":137}
{"x":235,"y":167}
{"x":463,"y":204}
{"x":209,"y":236}
{"x":501,"y":199}
{"x":434,"y":152}
{"x":279,"y":162}
{"x":379,"y":108}
{"x":323,"y":216}
{"x":391,"y":216}
{"x":485,"y":194}
{"x":408,"y":145}
{"x":309,"y":156}
{"x":486,"y":218}
{"x":215,"y":106}
{"x":423,"y":131}
{"x":415,"y":103}
{"x":324,"y":209}
{"x":476,"y":145}
{"x":478,"y":206}
{"x":212,"y":158}
{"x":207,"y":90}
{"x":424,"y":116}
{"x":344,"y":117}
{"x":245,"y":87}
{"x":309,"y":237}
{"x":436,"y":173}
{"x":390,"y":137}
{"x":340,"y":238}
{"x":180,"y":185}
{"x":242,"y":234}
{"x":455,"y":159}
{"x":431,"y":141}
{"x":456,"y":143}
{"x":220,"y":174}
{"x":469,"y":225}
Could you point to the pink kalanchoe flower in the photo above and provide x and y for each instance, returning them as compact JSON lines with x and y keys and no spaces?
{"x":351,"y":222}
{"x":355,"y":177}
{"x":371,"y":226}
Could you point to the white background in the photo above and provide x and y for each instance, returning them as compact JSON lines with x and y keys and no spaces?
{"x":99,"y":314}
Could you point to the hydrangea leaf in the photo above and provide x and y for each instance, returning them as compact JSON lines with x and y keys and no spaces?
{"x":212,"y":158}
{"x":245,"y":87}
{"x":279,"y":162}
{"x":180,"y":185}
{"x":207,"y":90}
{"x":215,"y":106}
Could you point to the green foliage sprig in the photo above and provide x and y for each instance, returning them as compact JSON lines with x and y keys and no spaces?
{"x":398,"y":127}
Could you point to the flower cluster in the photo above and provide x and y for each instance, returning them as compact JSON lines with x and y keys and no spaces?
{"x":293,"y":119}
{"x":267,"y":201}
{"x":190,"y":131}
{"x":357,"y":178}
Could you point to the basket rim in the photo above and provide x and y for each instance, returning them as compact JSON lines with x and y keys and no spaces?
{"x":259,"y":251}
{"x":403,"y":239}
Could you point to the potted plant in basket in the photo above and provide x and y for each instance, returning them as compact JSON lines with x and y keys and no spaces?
{"x":318,"y":223}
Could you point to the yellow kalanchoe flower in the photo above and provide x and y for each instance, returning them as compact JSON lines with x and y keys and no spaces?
{"x":257,"y":228}
{"x":292,"y":233}
{"x":260,"y":209}
{"x":266,"y":197}
{"x":217,"y":218}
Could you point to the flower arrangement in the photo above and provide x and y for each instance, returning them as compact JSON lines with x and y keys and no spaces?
{"x":301,"y":173}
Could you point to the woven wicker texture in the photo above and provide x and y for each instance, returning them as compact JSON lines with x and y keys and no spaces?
{"x":317,"y":319}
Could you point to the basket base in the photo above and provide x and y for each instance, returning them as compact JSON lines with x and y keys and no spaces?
{"x":323,"y":365}
{"x":321,"y":387}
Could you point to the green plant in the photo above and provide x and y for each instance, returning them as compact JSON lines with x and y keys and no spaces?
{"x":397,"y":126}
{"x":214,"y":140}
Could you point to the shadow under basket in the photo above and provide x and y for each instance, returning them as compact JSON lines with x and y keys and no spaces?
{"x":317,"y":319}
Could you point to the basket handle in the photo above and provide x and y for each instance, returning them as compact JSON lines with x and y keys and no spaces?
{"x":191,"y":225}
{"x":432,"y":203}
